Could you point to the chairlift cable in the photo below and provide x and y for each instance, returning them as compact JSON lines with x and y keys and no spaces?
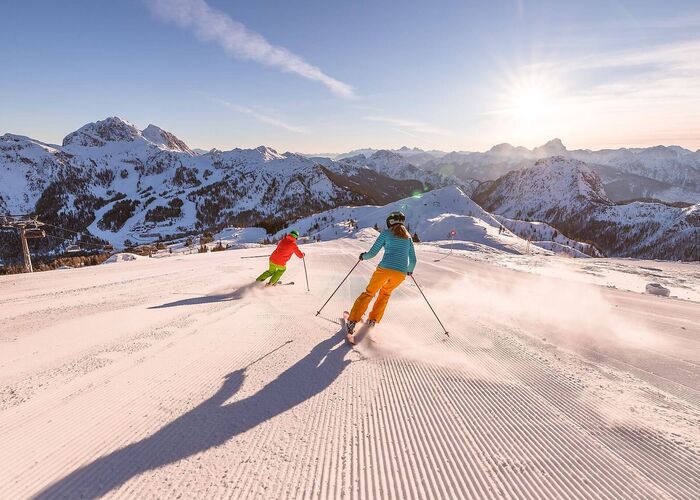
{"x":97,"y":245}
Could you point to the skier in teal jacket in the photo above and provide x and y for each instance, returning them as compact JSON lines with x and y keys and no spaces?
{"x":399,"y":261}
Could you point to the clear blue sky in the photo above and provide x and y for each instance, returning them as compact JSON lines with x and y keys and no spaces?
{"x":329,"y":76}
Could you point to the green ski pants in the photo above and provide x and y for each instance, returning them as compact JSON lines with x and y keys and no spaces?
{"x":275,"y":272}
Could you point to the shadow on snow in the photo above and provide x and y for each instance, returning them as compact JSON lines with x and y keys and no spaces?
{"x":210,"y":424}
{"x":210,"y":299}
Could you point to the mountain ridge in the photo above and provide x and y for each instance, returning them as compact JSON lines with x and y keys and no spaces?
{"x":568,"y":194}
{"x":669,"y":173}
{"x":123,"y":185}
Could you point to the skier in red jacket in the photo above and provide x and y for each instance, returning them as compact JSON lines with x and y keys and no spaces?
{"x":279,"y":258}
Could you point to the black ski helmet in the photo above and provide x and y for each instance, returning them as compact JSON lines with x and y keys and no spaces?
{"x":395,"y":218}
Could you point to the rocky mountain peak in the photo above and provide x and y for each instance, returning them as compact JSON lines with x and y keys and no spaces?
{"x":572,"y":176}
{"x":550,"y":148}
{"x":268,"y":154}
{"x":95,"y":134}
{"x":500,"y":149}
{"x":385,"y":154}
{"x":165,"y":139}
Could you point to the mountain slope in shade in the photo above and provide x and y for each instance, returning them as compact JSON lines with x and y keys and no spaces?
{"x":416,"y":156}
{"x":398,"y":166}
{"x":569,"y":195}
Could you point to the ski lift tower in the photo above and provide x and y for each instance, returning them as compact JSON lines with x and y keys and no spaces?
{"x":29,"y":228}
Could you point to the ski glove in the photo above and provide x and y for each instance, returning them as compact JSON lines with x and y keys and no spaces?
{"x":361,"y":256}
{"x":409,"y":274}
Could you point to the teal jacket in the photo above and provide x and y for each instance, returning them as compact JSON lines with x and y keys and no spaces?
{"x":399,"y":253}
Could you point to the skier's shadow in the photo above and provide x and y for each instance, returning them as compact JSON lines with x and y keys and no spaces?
{"x":209,"y":299}
{"x":210,"y":424}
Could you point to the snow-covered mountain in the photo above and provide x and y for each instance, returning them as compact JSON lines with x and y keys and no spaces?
{"x":670,"y":164}
{"x":398,"y":166}
{"x":124,"y":185}
{"x":665,"y":173}
{"x":570,"y":196}
{"x":668,"y":173}
{"x":417,"y":156}
{"x":432,"y":217}
{"x":120,"y":183}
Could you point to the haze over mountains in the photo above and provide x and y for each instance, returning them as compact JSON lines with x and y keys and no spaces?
{"x":128,"y":186}
{"x":667,"y":173}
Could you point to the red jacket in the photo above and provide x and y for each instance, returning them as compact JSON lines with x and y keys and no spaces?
{"x":284,"y":251}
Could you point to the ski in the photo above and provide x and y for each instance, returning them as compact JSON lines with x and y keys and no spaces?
{"x":279,"y":283}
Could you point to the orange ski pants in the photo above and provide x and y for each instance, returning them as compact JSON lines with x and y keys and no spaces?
{"x":383,"y":281}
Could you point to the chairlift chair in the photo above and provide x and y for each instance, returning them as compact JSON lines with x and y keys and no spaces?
{"x":34,"y":233}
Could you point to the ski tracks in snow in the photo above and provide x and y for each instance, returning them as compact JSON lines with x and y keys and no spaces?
{"x":210,"y":388}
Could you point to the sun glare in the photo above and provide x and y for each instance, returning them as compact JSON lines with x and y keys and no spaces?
{"x":528,"y":104}
{"x":531,"y":97}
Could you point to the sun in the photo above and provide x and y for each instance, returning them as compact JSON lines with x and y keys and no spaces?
{"x":528,"y":103}
{"x":531,"y":97}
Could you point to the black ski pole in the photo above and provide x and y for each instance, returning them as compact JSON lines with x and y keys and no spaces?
{"x":431,"y":307}
{"x":341,"y":283}
{"x":303,"y":259}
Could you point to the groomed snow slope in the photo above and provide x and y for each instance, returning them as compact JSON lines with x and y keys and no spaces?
{"x":176,"y":377}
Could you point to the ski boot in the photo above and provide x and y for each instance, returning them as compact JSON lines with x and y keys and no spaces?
{"x":372,"y":323}
{"x":350,"y":326}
